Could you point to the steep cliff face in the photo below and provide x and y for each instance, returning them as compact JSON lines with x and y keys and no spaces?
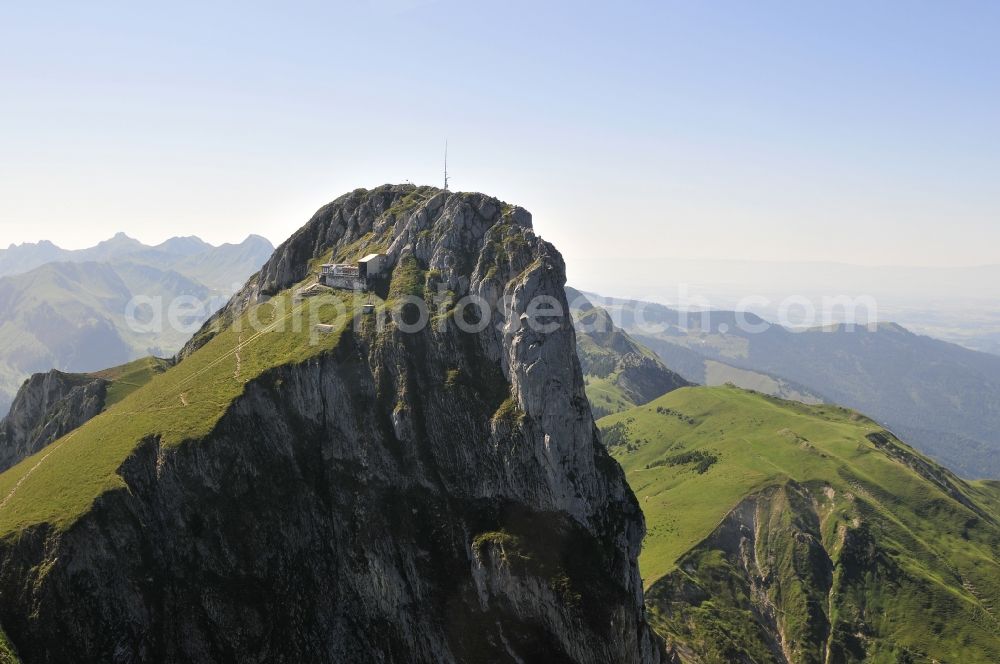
{"x":48,"y":406}
{"x":437,"y":495}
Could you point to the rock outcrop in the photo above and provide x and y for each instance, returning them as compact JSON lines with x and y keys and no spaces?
{"x":430,"y":496}
{"x":776,"y":579}
{"x":7,"y":653}
{"x":48,"y":406}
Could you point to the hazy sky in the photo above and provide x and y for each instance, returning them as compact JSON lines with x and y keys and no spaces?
{"x":842,"y":131}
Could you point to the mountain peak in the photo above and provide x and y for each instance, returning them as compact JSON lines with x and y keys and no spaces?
{"x":120,"y":236}
{"x":41,"y":244}
{"x":184,"y":245}
{"x":257,"y":242}
{"x":395,"y":213}
{"x":455,"y":471}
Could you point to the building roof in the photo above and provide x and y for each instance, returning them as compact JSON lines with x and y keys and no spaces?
{"x":371,"y":257}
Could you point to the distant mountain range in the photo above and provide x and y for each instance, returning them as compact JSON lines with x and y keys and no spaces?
{"x":217,"y":267}
{"x":66,"y":310}
{"x":942,"y":398}
{"x":956,"y":304}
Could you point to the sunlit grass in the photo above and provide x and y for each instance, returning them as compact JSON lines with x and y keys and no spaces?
{"x":127,"y":378}
{"x":184,"y":403}
{"x":763,"y":442}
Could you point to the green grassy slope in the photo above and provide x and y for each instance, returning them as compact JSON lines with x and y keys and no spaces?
{"x":991,"y":489}
{"x":182,"y":403}
{"x":127,"y":378}
{"x":857,"y":544}
{"x":606,"y":396}
{"x":72,"y":315}
{"x":56,"y":316}
{"x":619,"y":373}
{"x":944,"y":399}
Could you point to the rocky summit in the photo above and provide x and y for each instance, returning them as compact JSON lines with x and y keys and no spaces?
{"x":376,"y":495}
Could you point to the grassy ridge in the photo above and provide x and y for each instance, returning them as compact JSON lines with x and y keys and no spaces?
{"x":127,"y":378}
{"x":990,"y":490}
{"x":683,"y":507}
{"x":941,"y":397}
{"x":183,"y":403}
{"x":606,"y":394}
{"x":619,"y":373}
{"x":933,"y":580}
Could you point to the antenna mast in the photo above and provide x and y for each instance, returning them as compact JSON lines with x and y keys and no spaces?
{"x":446,"y":164}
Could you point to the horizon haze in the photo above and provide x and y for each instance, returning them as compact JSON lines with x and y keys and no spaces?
{"x":857,"y":133}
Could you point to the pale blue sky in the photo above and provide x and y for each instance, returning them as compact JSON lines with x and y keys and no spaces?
{"x":843,"y":131}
